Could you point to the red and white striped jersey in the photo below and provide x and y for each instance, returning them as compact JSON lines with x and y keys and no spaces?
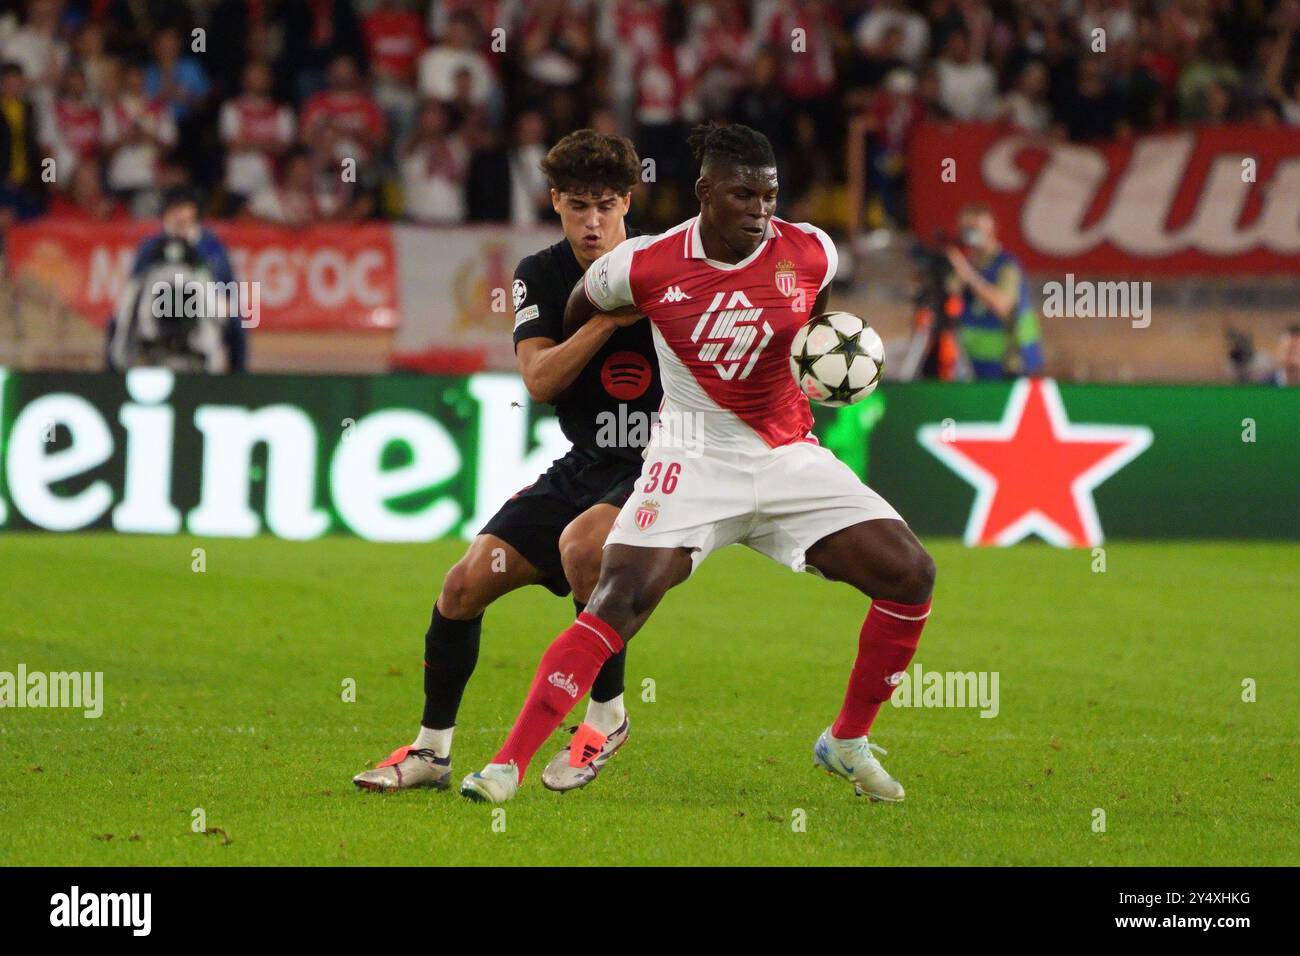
{"x":810,"y":73}
{"x":128,"y":112}
{"x":352,"y":114}
{"x":394,"y":39}
{"x":260,"y":126}
{"x":664,"y":84}
{"x":638,"y":26}
{"x":256,"y":121}
{"x":77,"y":126}
{"x":722,"y":331}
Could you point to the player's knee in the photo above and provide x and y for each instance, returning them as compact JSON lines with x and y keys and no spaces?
{"x":580,"y":557}
{"x":462,"y":595}
{"x":620,"y":601}
{"x":610,"y":602}
{"x":916,"y":581}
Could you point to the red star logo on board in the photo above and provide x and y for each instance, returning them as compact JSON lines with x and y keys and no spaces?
{"x":1034,"y":472}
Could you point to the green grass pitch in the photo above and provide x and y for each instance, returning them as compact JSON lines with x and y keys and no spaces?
{"x":1118,"y":691}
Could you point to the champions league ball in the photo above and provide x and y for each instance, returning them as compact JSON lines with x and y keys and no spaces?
{"x":837,"y":359}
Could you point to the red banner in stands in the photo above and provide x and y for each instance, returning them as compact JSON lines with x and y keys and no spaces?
{"x":1208,"y":201}
{"x":327,"y":277}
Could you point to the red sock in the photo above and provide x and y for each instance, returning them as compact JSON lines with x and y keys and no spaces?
{"x":567,"y":671}
{"x":885,"y":647}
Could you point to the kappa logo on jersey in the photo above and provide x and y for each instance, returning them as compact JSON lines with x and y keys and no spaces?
{"x":674,"y":294}
{"x":647,"y":513}
{"x":786,"y":279}
{"x":736,"y":328}
{"x":519,"y":292}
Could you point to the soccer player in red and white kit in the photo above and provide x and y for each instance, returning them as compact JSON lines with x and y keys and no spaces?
{"x":732,"y":459}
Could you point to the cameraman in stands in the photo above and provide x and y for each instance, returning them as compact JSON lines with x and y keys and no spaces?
{"x":998,"y":325}
{"x":181,"y":255}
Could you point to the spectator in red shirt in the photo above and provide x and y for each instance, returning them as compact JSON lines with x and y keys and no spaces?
{"x":394,"y":38}
{"x":255,"y":130}
{"x":344,"y":120}
{"x":807,"y":56}
{"x":74,"y":125}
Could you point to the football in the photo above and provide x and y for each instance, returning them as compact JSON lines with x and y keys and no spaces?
{"x":837,"y":359}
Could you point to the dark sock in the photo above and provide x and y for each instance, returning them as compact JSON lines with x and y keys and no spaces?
{"x":450,"y":653}
{"x":609,"y":681}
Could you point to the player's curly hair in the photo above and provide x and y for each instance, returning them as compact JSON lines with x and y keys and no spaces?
{"x":732,"y":145}
{"x":589,"y":162}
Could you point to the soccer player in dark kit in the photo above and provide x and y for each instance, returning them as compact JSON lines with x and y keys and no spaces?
{"x":604,"y":384}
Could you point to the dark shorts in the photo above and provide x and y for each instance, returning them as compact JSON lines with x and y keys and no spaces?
{"x":532,"y":520}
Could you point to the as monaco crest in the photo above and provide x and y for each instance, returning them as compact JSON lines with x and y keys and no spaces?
{"x":647,"y":513}
{"x":786,"y":280}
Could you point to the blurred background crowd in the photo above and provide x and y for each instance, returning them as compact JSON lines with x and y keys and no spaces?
{"x":437,"y":111}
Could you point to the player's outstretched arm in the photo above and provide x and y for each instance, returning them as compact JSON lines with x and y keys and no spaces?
{"x":579,"y":310}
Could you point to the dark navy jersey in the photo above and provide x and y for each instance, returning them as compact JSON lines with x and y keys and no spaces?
{"x":608,"y":408}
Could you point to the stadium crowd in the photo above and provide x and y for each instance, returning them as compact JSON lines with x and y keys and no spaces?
{"x":303,"y":111}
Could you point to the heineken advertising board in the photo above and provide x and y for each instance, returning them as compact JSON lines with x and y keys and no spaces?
{"x":414,"y":458}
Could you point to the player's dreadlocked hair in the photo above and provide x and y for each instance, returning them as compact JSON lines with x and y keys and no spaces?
{"x":589,"y":162}
{"x":733,"y":145}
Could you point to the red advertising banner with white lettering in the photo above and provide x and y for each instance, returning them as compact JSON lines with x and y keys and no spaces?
{"x":327,"y":277}
{"x":1203,"y":201}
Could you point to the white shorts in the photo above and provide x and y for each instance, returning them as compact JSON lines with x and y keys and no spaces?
{"x":779,"y":502}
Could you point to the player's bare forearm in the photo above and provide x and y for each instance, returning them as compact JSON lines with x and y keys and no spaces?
{"x":579,"y":310}
{"x":549,"y":368}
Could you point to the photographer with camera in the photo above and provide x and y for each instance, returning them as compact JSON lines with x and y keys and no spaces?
{"x":178,"y":308}
{"x":998,"y":326}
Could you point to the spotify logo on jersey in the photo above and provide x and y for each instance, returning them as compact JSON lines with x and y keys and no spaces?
{"x":625,"y":375}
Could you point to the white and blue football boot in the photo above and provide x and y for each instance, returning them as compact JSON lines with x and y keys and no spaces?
{"x":854,"y":761}
{"x":495,"y":783}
